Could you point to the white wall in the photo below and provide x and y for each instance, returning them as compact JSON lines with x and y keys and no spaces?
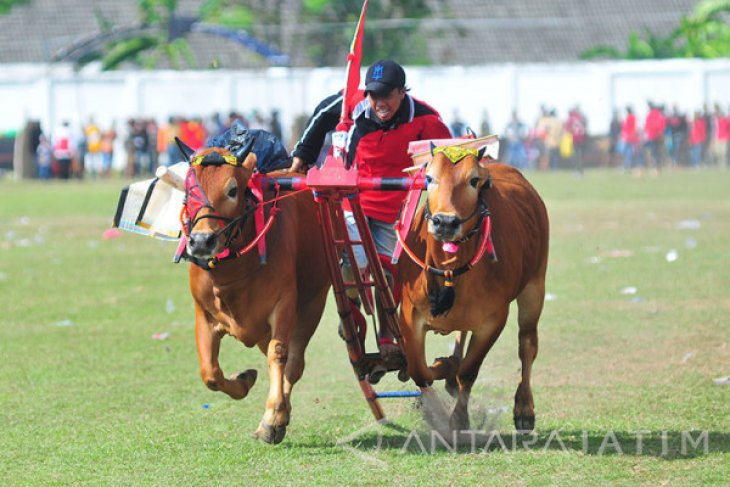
{"x":51,"y":93}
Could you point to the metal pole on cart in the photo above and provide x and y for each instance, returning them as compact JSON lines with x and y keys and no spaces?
{"x":328,"y":203}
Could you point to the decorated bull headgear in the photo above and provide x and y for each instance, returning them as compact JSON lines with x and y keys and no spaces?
{"x":195,"y":197}
{"x":456,"y":154}
{"x":214,"y":158}
{"x":233,"y":154}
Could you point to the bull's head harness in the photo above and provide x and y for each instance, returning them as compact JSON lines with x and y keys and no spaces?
{"x":455,"y":155}
{"x":196,"y":199}
{"x":442,"y":299}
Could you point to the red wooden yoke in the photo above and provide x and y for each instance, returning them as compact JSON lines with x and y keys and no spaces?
{"x":332,"y":184}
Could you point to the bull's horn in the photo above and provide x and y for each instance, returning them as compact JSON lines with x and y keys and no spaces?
{"x":186,"y":150}
{"x":414,"y":168}
{"x":480,"y":154}
{"x":245,"y":150}
{"x":433,"y":146}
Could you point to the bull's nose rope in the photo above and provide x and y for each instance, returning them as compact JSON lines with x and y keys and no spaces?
{"x":449,"y":275}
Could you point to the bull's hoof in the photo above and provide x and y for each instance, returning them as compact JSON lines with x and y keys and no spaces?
{"x":341,"y":331}
{"x":459,"y":421}
{"x":524,"y":423}
{"x":376,"y":374}
{"x":272,"y":435}
{"x":452,"y":387}
{"x":403,"y":375}
{"x":248,"y":376}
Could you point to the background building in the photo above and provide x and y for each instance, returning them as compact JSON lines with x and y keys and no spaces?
{"x":449,"y":32}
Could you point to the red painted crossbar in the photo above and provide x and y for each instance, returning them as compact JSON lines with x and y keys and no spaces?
{"x":363,"y":184}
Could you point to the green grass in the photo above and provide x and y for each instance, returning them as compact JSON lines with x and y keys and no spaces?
{"x":100,"y":402}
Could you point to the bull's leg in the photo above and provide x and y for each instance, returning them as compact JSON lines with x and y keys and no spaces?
{"x":414,"y":343}
{"x":480,"y":343}
{"x":530,"y":303}
{"x":272,"y":428}
{"x":208,"y":341}
{"x":308,"y":319}
{"x":413,"y":333}
{"x":451,"y":386}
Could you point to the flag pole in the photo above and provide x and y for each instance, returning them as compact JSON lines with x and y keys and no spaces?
{"x":352,"y":80}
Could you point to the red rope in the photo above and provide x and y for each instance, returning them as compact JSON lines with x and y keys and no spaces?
{"x":272,"y":214}
{"x":258,"y":237}
{"x":183,"y":212}
{"x":486,"y":231}
{"x":279,"y":198}
{"x":407,"y":249}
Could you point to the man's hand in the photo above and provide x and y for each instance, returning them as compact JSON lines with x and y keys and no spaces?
{"x":298,"y":165}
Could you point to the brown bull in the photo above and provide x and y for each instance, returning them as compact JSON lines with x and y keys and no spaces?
{"x":275,"y":306}
{"x":447,"y":234}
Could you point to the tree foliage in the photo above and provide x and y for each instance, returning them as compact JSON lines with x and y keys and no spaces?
{"x":321,"y":30}
{"x":318,"y":31}
{"x":165,"y":40}
{"x":146,"y":50}
{"x":333,"y":24}
{"x":7,"y":5}
{"x":704,"y":33}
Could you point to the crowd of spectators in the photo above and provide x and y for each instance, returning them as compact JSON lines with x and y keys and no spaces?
{"x":668,"y":138}
{"x":664,"y":138}
{"x":89,"y":151}
{"x":549,"y":143}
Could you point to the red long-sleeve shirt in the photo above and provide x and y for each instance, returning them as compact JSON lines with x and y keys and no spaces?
{"x":379,"y":149}
{"x":655,"y":124}
{"x":628,"y":129}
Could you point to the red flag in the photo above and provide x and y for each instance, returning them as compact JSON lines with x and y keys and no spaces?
{"x":352,"y":94}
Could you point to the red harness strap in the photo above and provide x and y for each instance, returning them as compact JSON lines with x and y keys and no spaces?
{"x":484,"y":246}
{"x":408,"y":211}
{"x":263,"y":228}
{"x":254,"y":184}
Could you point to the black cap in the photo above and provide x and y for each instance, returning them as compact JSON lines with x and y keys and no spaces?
{"x":384,"y":75}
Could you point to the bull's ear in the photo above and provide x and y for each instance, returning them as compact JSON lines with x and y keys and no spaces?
{"x":433,"y":146}
{"x":185,"y":150}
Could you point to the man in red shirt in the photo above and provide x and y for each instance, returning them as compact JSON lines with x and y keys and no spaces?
{"x":697,"y":138}
{"x":629,"y":138}
{"x":654,"y":132}
{"x":385,"y":122}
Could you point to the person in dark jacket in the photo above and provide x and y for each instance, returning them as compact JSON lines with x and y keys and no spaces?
{"x":385,"y":122}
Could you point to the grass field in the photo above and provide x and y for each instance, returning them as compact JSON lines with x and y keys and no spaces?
{"x":88,"y":397}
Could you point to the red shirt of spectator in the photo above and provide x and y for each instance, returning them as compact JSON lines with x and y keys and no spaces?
{"x":698,"y":131}
{"x":628,"y":129}
{"x":655,"y":124}
{"x":576,"y":126}
{"x":192,"y":133}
